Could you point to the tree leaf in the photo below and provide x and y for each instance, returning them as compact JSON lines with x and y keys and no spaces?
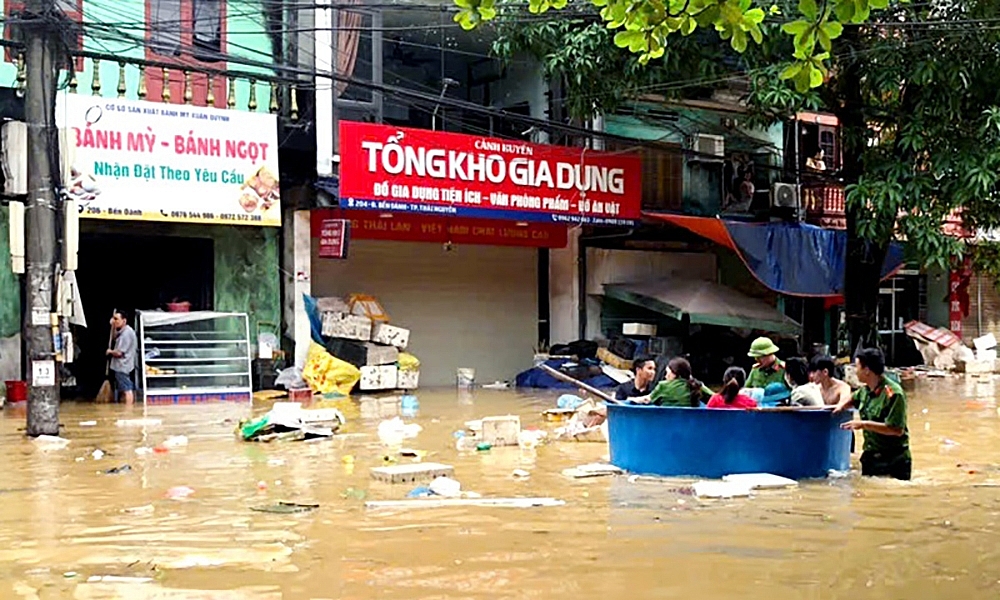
{"x":625,"y":38}
{"x":754,"y":15}
{"x":796,"y":27}
{"x":756,"y":34}
{"x":487,"y":13}
{"x":739,"y":41}
{"x":815,"y":77}
{"x":833,"y":29}
{"x":809,"y":9}
{"x":844,"y":9}
{"x":791,"y":71}
{"x":464,"y":3}
{"x":823,"y":39}
{"x":688,"y":26}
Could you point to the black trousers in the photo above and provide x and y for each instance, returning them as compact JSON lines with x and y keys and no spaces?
{"x":876,"y":464}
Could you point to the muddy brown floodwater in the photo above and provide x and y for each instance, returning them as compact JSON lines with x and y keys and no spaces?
{"x":65,"y":521}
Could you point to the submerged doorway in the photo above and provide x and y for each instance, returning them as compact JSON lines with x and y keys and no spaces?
{"x":133,"y":272}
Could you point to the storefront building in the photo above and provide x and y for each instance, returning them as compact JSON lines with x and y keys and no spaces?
{"x":452,"y":233}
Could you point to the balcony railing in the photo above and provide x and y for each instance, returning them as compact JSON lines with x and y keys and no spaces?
{"x":825,"y":205}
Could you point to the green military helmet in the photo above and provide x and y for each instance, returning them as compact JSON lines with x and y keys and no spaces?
{"x":762,"y":346}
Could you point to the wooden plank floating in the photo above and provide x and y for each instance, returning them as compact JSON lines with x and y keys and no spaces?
{"x":452,"y":502}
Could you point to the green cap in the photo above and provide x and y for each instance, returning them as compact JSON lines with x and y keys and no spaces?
{"x":762,"y":346}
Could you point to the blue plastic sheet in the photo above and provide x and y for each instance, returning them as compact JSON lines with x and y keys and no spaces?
{"x":537,"y":378}
{"x":798,"y":259}
{"x":315,"y":321}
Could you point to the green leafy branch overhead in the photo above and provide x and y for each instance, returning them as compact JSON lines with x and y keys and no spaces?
{"x":645,"y":26}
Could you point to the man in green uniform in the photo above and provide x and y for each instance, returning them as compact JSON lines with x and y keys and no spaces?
{"x":882,"y":407}
{"x":768,"y":368}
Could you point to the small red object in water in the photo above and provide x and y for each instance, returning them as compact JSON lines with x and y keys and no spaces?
{"x":160,"y":450}
{"x":262,"y":485}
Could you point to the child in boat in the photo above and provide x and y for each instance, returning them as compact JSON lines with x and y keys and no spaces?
{"x":730,"y":397}
{"x":678,"y":388}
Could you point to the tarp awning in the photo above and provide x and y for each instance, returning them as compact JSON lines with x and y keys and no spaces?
{"x":704,"y":302}
{"x":790,"y":258}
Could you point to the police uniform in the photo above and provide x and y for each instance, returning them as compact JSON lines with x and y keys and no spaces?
{"x":760,"y":377}
{"x":885,"y":455}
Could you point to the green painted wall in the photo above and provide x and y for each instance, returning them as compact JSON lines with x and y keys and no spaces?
{"x":247,"y":275}
{"x":10,"y":295}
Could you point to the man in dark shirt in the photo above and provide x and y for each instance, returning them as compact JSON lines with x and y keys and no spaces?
{"x":645,"y":372}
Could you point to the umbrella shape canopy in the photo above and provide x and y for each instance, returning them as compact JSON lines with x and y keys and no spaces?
{"x":704,"y":302}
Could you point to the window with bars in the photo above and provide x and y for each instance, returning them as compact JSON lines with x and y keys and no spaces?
{"x":185,"y":28}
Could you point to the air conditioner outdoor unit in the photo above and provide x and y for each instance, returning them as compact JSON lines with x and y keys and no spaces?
{"x":785,"y":195}
{"x":707,"y":144}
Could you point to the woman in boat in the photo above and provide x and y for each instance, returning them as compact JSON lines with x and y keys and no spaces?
{"x":730,"y":397}
{"x":803,"y":393}
{"x":678,"y":388}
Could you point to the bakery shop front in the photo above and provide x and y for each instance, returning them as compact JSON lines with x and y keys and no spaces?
{"x":180,"y":209}
{"x":451,"y":233}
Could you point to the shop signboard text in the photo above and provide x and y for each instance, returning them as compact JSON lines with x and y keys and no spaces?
{"x":333,"y":237}
{"x":163,"y":162}
{"x":392,"y":169}
{"x":401,"y":227}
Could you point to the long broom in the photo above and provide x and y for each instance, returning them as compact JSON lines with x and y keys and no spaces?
{"x":105,"y":395}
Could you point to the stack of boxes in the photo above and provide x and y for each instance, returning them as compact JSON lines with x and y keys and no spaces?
{"x":352,"y":333}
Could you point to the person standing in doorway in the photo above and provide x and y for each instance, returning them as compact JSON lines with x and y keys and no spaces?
{"x":123,"y":358}
{"x":882,"y":407}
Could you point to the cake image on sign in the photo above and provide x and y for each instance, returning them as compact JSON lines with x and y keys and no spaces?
{"x":260,"y":190}
{"x":82,"y":186}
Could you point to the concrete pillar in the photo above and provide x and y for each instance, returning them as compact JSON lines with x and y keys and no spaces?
{"x":298,"y":280}
{"x":564,"y":291}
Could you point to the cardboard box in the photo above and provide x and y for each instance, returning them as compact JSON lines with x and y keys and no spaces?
{"x":379,"y":378}
{"x":414,"y":473}
{"x":350,"y":327}
{"x":408,"y":380}
{"x":390,"y":335}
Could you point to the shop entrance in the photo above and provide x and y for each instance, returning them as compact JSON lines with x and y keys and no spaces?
{"x":134,"y":272}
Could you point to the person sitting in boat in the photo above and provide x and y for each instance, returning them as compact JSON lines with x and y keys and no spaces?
{"x":821,"y":372}
{"x":882,"y":407}
{"x":644,"y":368}
{"x":768,"y":368}
{"x":678,"y":388}
{"x":775,"y":394}
{"x":731,"y":397}
{"x":804,"y":392}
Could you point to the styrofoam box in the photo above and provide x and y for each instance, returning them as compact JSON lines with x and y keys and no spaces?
{"x":378,"y":354}
{"x":383,"y":333}
{"x":338,"y":305}
{"x":379,"y":378}
{"x":501,"y":431}
{"x":408,"y":380}
{"x":638,"y":329}
{"x":350,"y":327}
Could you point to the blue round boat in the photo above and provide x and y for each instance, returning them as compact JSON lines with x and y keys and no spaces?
{"x":711,"y":443}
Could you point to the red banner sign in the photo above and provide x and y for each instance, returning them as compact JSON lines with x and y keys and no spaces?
{"x":333,"y":236}
{"x":395,"y":169}
{"x":402,"y":227}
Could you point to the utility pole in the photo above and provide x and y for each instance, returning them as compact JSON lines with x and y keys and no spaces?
{"x":41,"y":214}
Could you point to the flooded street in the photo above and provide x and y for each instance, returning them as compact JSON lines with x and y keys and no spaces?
{"x":65,"y":520}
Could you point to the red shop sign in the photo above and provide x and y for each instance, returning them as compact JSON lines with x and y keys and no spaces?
{"x":367,"y":225}
{"x":333,"y":237}
{"x":394,"y":169}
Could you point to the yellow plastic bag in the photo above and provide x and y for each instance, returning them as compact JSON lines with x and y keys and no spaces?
{"x":408,"y":362}
{"x":327,"y":374}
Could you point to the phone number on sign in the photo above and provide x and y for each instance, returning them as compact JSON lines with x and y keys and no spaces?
{"x":93,"y":211}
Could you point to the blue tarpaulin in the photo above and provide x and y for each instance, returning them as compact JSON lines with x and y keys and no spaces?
{"x":538,"y":378}
{"x":797,"y":259}
{"x":790,"y":258}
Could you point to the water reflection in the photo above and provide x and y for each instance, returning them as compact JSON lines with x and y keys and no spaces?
{"x":65,"y":520}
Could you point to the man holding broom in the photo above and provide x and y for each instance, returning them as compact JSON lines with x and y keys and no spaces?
{"x":123,"y":358}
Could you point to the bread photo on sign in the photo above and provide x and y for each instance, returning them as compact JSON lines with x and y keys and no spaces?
{"x":82,"y":186}
{"x":249,"y":199}
{"x":265,"y":186}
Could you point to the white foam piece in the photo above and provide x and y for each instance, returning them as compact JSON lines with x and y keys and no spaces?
{"x":760,"y":481}
{"x":720,"y":489}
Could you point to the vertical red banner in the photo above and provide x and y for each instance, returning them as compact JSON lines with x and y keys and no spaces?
{"x":333,"y":237}
{"x":958,"y":296}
